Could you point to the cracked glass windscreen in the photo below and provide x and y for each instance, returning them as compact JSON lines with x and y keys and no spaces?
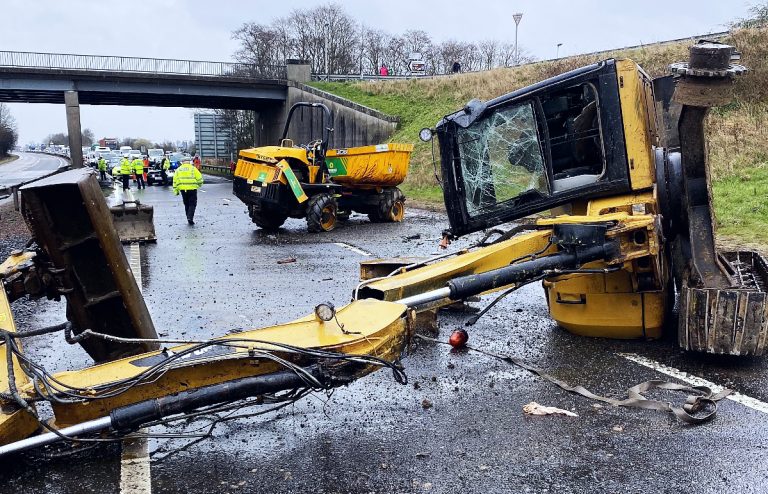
{"x":501,"y":158}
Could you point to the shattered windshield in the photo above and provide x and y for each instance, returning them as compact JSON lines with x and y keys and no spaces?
{"x":501,"y":158}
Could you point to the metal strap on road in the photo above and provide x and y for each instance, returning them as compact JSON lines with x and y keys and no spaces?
{"x":700,"y":405}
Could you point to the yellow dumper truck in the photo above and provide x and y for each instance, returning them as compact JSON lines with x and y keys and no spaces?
{"x":310,"y":181}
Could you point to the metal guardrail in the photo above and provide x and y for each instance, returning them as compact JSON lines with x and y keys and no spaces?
{"x":14,"y":189}
{"x":217,"y":169}
{"x":376,"y":77}
{"x":367,"y":77}
{"x":63,"y":61}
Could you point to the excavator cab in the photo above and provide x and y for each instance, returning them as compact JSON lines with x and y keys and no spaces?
{"x":554,"y":143}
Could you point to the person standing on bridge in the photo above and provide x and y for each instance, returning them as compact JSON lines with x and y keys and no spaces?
{"x":187,"y":180}
{"x":138,"y":169}
{"x":102,"y":168}
{"x":125,"y":173}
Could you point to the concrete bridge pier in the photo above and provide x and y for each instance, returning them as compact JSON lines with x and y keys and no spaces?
{"x":72,"y":104}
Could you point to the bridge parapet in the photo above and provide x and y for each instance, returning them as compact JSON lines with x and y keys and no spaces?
{"x":63,"y":61}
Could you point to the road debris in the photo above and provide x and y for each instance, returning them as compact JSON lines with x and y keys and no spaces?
{"x":458,"y":338}
{"x":534,"y":408}
{"x":287,"y":260}
{"x":426,"y":404}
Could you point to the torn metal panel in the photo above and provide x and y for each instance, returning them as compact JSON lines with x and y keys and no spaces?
{"x":70,"y":221}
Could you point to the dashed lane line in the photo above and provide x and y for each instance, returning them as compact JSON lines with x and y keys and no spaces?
{"x":135,"y":473}
{"x":354,"y":249}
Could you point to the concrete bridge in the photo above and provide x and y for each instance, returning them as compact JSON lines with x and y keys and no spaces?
{"x":268,"y":90}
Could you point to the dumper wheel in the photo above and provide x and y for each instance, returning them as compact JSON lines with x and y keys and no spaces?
{"x":321,"y":213}
{"x":268,"y":220}
{"x":391,"y":208}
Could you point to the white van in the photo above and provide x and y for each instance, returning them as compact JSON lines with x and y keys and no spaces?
{"x":156,"y":156}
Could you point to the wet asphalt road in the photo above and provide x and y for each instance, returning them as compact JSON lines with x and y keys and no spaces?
{"x":27,"y":167}
{"x":375,"y":435}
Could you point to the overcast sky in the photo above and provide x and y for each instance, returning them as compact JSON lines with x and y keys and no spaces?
{"x":201,"y":30}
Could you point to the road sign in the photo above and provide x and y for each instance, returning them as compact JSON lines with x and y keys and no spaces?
{"x":212,"y":136}
{"x":417,"y":66}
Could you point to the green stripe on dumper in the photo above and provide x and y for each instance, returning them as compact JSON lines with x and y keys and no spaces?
{"x":293,"y":182}
{"x":337,"y":167}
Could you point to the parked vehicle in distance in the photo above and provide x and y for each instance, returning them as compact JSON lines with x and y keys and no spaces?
{"x":156,"y":156}
{"x":113,"y":161}
{"x":177,"y":158}
{"x":124,"y":150}
{"x":155,"y":175}
{"x":133,"y":154}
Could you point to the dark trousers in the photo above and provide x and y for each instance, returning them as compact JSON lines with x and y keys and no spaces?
{"x":140,"y":180}
{"x":126,"y":181}
{"x":102,"y":175}
{"x":190,"y":202}
{"x":164,"y":177}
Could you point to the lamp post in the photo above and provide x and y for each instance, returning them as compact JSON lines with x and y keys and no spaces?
{"x":517,"y":18}
{"x":558,"y":50}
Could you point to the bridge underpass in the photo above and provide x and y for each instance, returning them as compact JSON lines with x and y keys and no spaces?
{"x":75,"y":80}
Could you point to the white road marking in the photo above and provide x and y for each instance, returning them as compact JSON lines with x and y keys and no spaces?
{"x":135,"y":474}
{"x":353,"y":249}
{"x":745,"y":400}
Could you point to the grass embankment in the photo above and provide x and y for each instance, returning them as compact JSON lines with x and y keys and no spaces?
{"x":8,"y":159}
{"x":738,"y":146}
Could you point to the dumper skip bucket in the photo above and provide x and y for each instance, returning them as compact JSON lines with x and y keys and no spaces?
{"x":134,"y":222}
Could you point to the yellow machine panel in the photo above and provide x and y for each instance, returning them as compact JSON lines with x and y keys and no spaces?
{"x":15,"y":423}
{"x":273,"y":154}
{"x":605,"y":305}
{"x":259,"y":173}
{"x":380,"y":165}
{"x":634,"y":87}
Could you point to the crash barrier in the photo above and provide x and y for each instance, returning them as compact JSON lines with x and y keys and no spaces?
{"x":222,"y":170}
{"x":14,"y":190}
{"x":376,"y":77}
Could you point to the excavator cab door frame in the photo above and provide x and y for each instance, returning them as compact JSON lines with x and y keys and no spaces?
{"x":556,"y":142}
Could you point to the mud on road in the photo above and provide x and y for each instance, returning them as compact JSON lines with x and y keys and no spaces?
{"x":457,"y":426}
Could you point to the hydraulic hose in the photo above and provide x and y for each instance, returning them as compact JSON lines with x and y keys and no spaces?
{"x":475,"y":284}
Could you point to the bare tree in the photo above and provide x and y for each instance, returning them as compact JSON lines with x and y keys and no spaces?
{"x":396,"y":56}
{"x":471,"y":56}
{"x":8,"y":134}
{"x":259,"y":44}
{"x":449,"y":52}
{"x":524,"y":56}
{"x":87,"y":137}
{"x":488,"y":51}
{"x":506,"y":56}
{"x":416,"y":41}
{"x":375,"y":43}
{"x":757,"y":18}
{"x":59,"y":139}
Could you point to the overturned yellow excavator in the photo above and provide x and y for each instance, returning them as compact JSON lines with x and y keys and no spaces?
{"x":618,"y":157}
